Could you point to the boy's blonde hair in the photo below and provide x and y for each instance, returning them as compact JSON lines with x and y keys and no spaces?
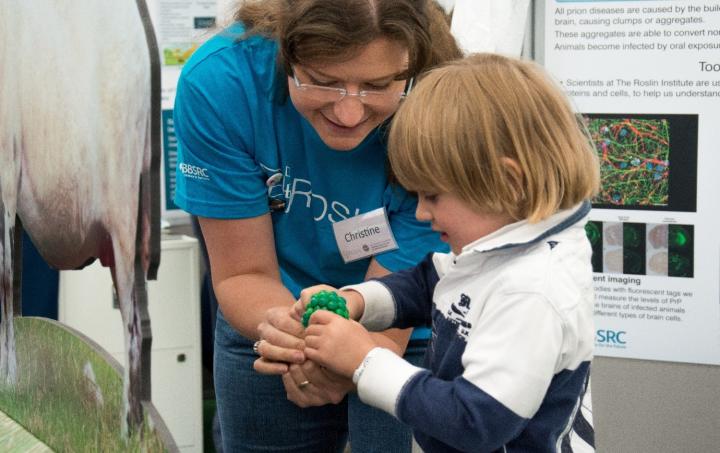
{"x":498,"y":133}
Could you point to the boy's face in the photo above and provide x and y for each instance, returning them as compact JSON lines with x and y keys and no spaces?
{"x":457,"y":223}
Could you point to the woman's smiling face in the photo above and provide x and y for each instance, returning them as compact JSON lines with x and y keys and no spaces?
{"x":343,"y":124}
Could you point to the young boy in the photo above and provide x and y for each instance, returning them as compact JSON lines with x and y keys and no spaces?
{"x":502,"y":168}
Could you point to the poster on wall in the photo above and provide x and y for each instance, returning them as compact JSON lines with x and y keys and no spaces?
{"x":181,"y":27}
{"x":645,"y":75}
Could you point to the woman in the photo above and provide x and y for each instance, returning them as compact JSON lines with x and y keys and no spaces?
{"x":280,"y":122}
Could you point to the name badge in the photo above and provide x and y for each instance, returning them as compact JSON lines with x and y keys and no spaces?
{"x":364,"y":235}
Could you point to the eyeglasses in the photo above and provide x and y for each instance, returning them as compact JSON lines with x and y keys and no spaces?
{"x":385,"y":98}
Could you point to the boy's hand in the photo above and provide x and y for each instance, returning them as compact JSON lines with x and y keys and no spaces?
{"x":337,"y":343}
{"x":305,"y":296}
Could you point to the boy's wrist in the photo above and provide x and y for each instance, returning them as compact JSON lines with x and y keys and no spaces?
{"x":357,"y":374}
{"x":376,"y":308}
{"x":354,"y":302}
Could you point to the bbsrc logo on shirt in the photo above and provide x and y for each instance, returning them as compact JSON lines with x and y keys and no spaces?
{"x":193,"y":171}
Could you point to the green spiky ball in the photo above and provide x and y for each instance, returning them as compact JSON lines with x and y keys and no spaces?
{"x":325,"y":300}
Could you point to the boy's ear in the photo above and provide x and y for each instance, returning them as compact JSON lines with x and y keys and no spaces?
{"x":516,"y":177}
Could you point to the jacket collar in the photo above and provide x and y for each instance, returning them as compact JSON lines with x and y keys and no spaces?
{"x":526,"y":233}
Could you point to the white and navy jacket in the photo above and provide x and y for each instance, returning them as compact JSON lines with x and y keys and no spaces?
{"x":512,"y":339}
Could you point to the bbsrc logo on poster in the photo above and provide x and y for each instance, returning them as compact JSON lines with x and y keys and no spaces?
{"x":611,"y":338}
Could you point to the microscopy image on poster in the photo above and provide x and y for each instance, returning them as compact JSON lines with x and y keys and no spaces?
{"x":594,"y":231}
{"x":612,"y":260}
{"x":657,"y":249}
{"x":634,"y":158}
{"x":646,"y":161}
{"x":681,"y":255}
{"x":634,"y":248}
{"x":642,"y":248}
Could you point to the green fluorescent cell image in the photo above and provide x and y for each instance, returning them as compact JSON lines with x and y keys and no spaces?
{"x":679,"y":237}
{"x":642,"y":249}
{"x":593,"y":230}
{"x":634,"y":160}
{"x":634,"y":258}
{"x":681,"y":253}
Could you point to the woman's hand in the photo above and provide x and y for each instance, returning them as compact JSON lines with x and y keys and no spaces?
{"x":310,"y":385}
{"x":281,"y":341}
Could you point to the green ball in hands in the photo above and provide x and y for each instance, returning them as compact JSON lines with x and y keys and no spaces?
{"x":325,"y":300}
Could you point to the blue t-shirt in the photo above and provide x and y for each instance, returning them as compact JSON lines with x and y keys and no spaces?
{"x":236,"y":128}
